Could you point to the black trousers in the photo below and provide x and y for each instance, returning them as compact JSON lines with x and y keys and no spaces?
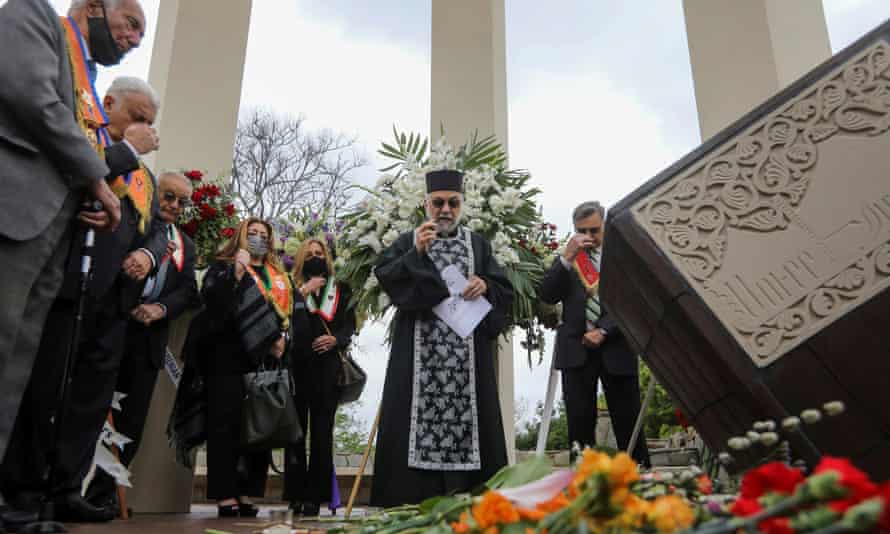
{"x":91,"y":390}
{"x":136,"y":379}
{"x":231,"y":471}
{"x":316,"y":400}
{"x":622,"y":396}
{"x":33,"y":272}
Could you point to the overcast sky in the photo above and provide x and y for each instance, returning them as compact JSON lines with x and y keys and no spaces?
{"x":600,"y":94}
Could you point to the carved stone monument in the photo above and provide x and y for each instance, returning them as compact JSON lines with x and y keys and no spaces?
{"x":754,"y":274}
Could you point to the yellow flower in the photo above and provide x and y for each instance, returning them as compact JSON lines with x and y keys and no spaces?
{"x":592,"y":462}
{"x":670,"y":513}
{"x":623,"y":471}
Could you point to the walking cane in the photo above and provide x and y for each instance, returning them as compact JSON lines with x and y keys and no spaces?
{"x":46,"y":525}
{"x":361,"y":469}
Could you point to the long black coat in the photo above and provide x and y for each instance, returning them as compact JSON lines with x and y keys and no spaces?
{"x":562,"y":285}
{"x":415,"y":286}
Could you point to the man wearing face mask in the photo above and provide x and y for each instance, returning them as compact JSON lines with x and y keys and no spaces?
{"x":589,"y":345}
{"x":51,"y":157}
{"x":440,"y":422}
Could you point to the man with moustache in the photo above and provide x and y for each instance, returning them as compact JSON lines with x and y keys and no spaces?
{"x":51,"y":157}
{"x":589,"y":345}
{"x":121,"y":259}
{"x":164,"y":297}
{"x":440,"y":421}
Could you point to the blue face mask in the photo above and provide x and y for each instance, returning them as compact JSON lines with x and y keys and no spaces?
{"x":257,"y":245}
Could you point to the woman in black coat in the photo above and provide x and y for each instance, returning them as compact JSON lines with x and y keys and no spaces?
{"x":246,"y":277}
{"x":331,"y":323}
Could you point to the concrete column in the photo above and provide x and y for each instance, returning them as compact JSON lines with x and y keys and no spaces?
{"x":742,"y":52}
{"x":469,"y":93}
{"x":197,"y":67}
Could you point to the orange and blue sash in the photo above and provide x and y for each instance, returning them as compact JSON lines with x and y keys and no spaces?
{"x":88,"y":107}
{"x":138,"y":186}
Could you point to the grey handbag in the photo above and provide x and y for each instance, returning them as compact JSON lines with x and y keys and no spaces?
{"x":268,"y":415}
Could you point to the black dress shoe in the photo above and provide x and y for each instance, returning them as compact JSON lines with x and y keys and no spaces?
{"x":18,"y":518}
{"x":247,"y":510}
{"x":74,"y":508}
{"x":311,"y":510}
{"x":227,"y":510}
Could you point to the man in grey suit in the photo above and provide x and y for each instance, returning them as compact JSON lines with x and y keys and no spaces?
{"x":47,"y":166}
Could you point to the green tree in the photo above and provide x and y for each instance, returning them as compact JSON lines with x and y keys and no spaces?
{"x":350,"y":430}
{"x":557,"y":438}
{"x":660,"y":420}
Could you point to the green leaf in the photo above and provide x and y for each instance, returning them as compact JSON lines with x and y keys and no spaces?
{"x":521,"y":473}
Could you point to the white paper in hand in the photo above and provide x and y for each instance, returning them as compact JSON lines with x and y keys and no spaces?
{"x":463,"y":316}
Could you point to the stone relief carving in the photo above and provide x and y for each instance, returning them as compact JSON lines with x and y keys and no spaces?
{"x":757,"y":182}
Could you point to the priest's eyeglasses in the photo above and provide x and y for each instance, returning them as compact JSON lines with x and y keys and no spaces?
{"x":185,"y":202}
{"x":439,"y":203}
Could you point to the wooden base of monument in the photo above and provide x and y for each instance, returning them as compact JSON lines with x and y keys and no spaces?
{"x":688,"y":267}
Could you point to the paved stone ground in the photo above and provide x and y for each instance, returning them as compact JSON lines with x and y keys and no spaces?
{"x":201,"y":518}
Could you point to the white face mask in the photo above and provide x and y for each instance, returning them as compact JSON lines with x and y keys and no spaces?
{"x":257,"y":245}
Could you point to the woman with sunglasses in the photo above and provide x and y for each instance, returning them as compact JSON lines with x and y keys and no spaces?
{"x":331,"y":326}
{"x":235,"y":345}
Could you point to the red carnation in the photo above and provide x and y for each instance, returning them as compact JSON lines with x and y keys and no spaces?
{"x":194,"y":175}
{"x":207,"y":211}
{"x":553,"y":227}
{"x":191,"y":227}
{"x":743,"y":507}
{"x":681,"y":419}
{"x":704,"y":484}
{"x":229,"y":209}
{"x":197,"y":196}
{"x":776,"y":525}
{"x":553,"y":245}
{"x":857,"y":483}
{"x":211,"y":191}
{"x":774,"y":477}
{"x":228,"y":232}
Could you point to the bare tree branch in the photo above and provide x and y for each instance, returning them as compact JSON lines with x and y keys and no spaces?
{"x":280,"y":167}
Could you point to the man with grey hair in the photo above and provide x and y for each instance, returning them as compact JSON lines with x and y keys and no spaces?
{"x":121,"y":261}
{"x":589,"y":345}
{"x":51,"y":144}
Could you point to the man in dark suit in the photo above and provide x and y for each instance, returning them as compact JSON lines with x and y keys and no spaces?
{"x":122,"y":260}
{"x":589,"y":345}
{"x":164,"y":297}
{"x":47,"y":165}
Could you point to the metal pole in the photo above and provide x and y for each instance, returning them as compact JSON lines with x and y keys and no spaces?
{"x":650,"y":391}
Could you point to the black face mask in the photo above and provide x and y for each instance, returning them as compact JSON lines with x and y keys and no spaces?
{"x":102,"y":46}
{"x":315,"y":266}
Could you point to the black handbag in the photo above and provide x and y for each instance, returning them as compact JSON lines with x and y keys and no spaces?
{"x":268,"y":414}
{"x":351,"y":378}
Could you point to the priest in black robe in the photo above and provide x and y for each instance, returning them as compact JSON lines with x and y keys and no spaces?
{"x":441,"y":430}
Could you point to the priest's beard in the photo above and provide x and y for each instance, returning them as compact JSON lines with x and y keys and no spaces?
{"x":446,"y":226}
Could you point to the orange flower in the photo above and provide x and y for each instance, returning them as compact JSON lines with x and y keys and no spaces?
{"x":705,"y":486}
{"x":491,"y":530}
{"x":494,"y":509}
{"x":461,"y":527}
{"x":623,"y":471}
{"x":531,"y":514}
{"x":592,"y":462}
{"x":670,"y":513}
{"x":558,"y":502}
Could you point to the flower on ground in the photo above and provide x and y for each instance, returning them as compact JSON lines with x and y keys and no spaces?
{"x":857,"y":483}
{"x":670,"y":513}
{"x":494,"y":509}
{"x":774,"y":477}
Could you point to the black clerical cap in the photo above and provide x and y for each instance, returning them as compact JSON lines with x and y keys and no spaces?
{"x":444,"y":180}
